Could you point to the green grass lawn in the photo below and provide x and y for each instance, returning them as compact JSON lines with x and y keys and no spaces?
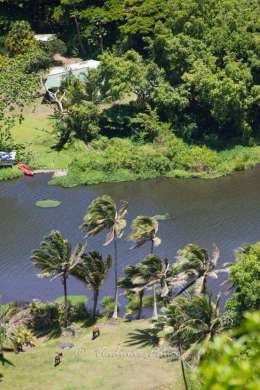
{"x":108,"y":362}
{"x":37,"y":133}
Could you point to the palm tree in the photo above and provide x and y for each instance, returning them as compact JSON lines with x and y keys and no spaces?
{"x":134,"y":282}
{"x":93,"y":270}
{"x":144,"y":229}
{"x":103,"y":214}
{"x":56,"y":259}
{"x":194,"y":267}
{"x":191,"y":321}
{"x":189,"y":324}
{"x":155,"y":273}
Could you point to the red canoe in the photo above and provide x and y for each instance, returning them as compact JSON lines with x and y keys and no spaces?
{"x":26,"y":170}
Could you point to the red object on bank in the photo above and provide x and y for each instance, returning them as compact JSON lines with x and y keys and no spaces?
{"x":26,"y":170}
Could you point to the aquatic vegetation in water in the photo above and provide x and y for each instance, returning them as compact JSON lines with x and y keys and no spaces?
{"x":48,"y":203}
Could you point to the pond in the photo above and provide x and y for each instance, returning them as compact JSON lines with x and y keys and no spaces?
{"x":223,"y":211}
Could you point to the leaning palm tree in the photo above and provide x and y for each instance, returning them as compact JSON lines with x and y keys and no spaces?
{"x":103,"y":214}
{"x":155,"y":272}
{"x":134,"y":282}
{"x":144,"y":229}
{"x":194,"y":267}
{"x":93,"y":270}
{"x":56,"y":259}
{"x":189,"y":324}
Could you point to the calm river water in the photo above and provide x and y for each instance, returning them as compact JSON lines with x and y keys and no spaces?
{"x":223,"y":211}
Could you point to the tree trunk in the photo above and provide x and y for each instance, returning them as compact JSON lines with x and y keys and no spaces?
{"x":95,"y":301}
{"x":139,"y":314}
{"x":115,"y":314}
{"x":185,"y":288}
{"x":152,"y":247}
{"x":183,"y":370}
{"x":155,"y":311}
{"x":79,"y":34}
{"x":65,"y":301}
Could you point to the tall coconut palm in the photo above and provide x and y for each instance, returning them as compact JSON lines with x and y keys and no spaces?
{"x":56,"y":259}
{"x":155,"y":273}
{"x":188,"y":324}
{"x":93,"y":270}
{"x":195,"y":266}
{"x":134,"y":282}
{"x":103,"y":214}
{"x":144,"y":229}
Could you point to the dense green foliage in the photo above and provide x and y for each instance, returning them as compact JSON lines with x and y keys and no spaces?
{"x":234,"y":363}
{"x":245,"y":279}
{"x":20,"y":38}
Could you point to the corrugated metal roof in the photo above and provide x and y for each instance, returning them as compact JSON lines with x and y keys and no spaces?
{"x":57,"y":74}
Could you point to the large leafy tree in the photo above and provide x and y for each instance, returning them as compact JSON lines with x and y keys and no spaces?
{"x":18,"y":88}
{"x":103,"y":214}
{"x":92,"y":270}
{"x":56,"y":259}
{"x":244,"y":277}
{"x":232,"y":360}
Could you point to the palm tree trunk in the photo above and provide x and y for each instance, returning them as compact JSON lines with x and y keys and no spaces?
{"x":139,"y":314}
{"x":95,"y":301}
{"x":185,"y":288}
{"x":152,"y":247}
{"x":64,"y":282}
{"x":155,"y":311}
{"x":115,"y":314}
{"x":183,"y":369}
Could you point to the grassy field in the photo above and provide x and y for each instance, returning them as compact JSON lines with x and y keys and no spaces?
{"x":37,"y":133}
{"x":110,"y":362}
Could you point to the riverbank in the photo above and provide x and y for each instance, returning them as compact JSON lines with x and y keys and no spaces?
{"x":112,"y":361}
{"x":121,"y":159}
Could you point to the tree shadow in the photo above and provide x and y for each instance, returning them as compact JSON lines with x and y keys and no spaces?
{"x":5,"y":361}
{"x":51,"y":333}
{"x":143,"y":338}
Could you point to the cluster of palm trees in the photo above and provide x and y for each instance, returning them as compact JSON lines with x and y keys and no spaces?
{"x":57,"y":259}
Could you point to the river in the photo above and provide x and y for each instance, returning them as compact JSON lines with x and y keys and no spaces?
{"x":224,"y":211}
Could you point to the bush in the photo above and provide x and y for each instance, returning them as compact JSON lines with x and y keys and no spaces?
{"x":22,"y":337}
{"x":52,"y":47}
{"x":20,"y":38}
{"x":107,"y":306}
{"x":45,"y":316}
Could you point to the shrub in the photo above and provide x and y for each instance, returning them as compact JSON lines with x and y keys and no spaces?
{"x":22,"y":337}
{"x":107,"y":306}
{"x":52,"y":47}
{"x":45,"y":316}
{"x":20,"y":38}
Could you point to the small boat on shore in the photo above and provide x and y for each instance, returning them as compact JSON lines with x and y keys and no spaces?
{"x":26,"y":170}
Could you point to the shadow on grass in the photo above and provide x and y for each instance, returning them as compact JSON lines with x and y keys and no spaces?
{"x":5,"y":361}
{"x":51,"y":333}
{"x":143,"y":338}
